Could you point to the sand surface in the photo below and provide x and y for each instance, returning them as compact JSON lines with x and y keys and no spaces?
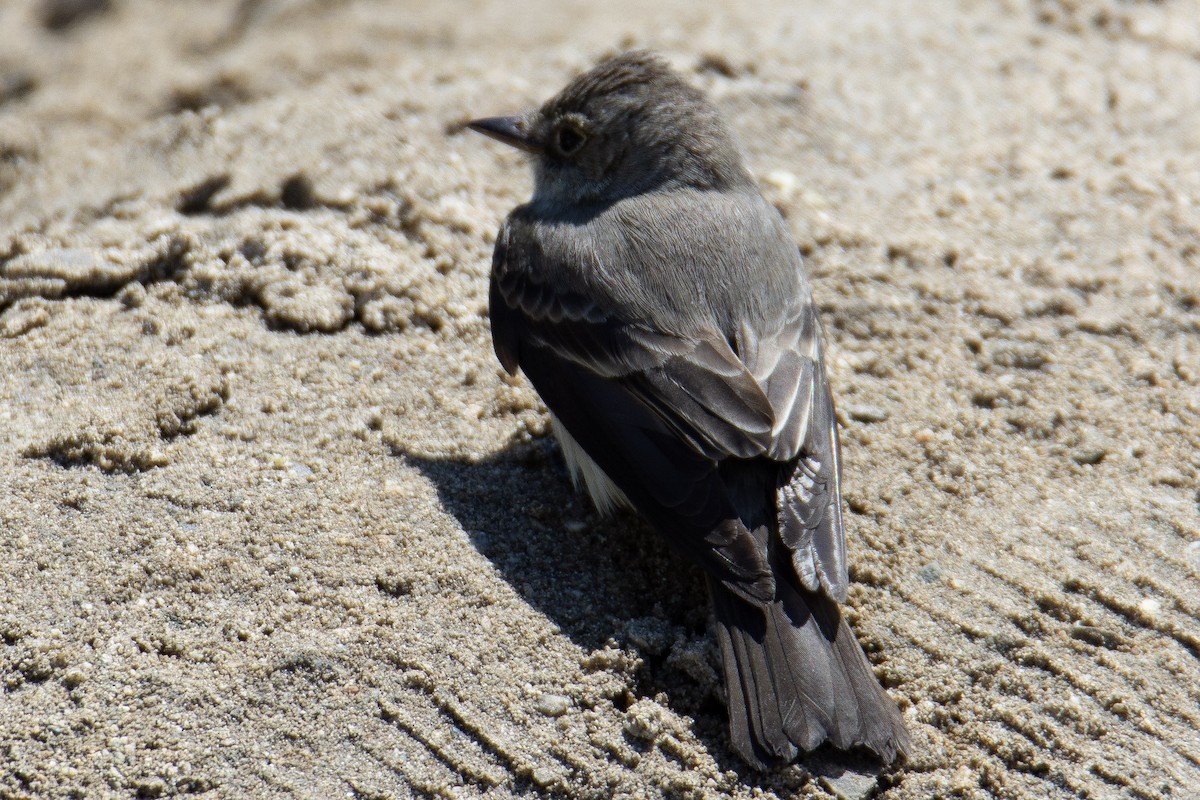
{"x":273,"y":522}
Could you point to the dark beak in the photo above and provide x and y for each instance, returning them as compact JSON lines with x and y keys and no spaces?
{"x":510,"y":130}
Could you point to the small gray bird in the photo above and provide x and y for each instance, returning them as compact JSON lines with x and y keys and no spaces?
{"x":658,"y":305}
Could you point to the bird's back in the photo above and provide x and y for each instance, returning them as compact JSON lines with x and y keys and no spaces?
{"x":678,"y":261}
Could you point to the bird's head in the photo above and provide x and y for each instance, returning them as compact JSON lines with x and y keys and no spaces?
{"x":629,"y":125}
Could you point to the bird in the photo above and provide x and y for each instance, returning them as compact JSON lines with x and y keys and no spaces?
{"x":658,"y":305}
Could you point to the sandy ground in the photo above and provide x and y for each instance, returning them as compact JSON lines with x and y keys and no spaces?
{"x":275,"y":524}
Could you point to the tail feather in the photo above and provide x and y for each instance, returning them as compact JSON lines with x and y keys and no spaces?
{"x":750,"y":688}
{"x":795,"y":677}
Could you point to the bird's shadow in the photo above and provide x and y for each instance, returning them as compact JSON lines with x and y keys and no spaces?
{"x":591,"y":575}
{"x":600,"y":579}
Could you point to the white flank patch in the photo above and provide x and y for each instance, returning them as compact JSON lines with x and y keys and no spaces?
{"x":604,"y":493}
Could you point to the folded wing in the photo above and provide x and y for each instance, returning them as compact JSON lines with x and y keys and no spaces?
{"x":658,"y":412}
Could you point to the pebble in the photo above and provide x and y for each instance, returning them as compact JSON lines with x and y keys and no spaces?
{"x":867,"y":413}
{"x":552,"y":705}
{"x":963,"y":779}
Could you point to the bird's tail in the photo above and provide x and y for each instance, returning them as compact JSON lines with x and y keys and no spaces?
{"x":795,"y":677}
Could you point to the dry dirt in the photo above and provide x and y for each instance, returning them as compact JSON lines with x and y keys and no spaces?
{"x":275,"y":524}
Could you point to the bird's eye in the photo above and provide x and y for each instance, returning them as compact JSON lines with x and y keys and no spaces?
{"x":568,"y":138}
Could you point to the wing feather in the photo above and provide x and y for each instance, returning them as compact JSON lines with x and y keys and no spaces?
{"x":658,"y":412}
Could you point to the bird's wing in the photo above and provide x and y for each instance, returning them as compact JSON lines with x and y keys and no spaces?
{"x":790,"y":366}
{"x":659,"y":412}
{"x":697,"y":385}
{"x":809,"y":501}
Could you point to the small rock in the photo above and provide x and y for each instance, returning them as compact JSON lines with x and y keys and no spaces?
{"x":545,"y":777}
{"x":867,"y":413}
{"x":1088,"y":456}
{"x":850,"y":784}
{"x":781,"y":180}
{"x":963,"y":779}
{"x":643,"y":721}
{"x":300,"y":470}
{"x":552,"y":705}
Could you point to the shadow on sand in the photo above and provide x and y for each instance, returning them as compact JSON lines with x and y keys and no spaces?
{"x":591,"y":575}
{"x":602,"y":579}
